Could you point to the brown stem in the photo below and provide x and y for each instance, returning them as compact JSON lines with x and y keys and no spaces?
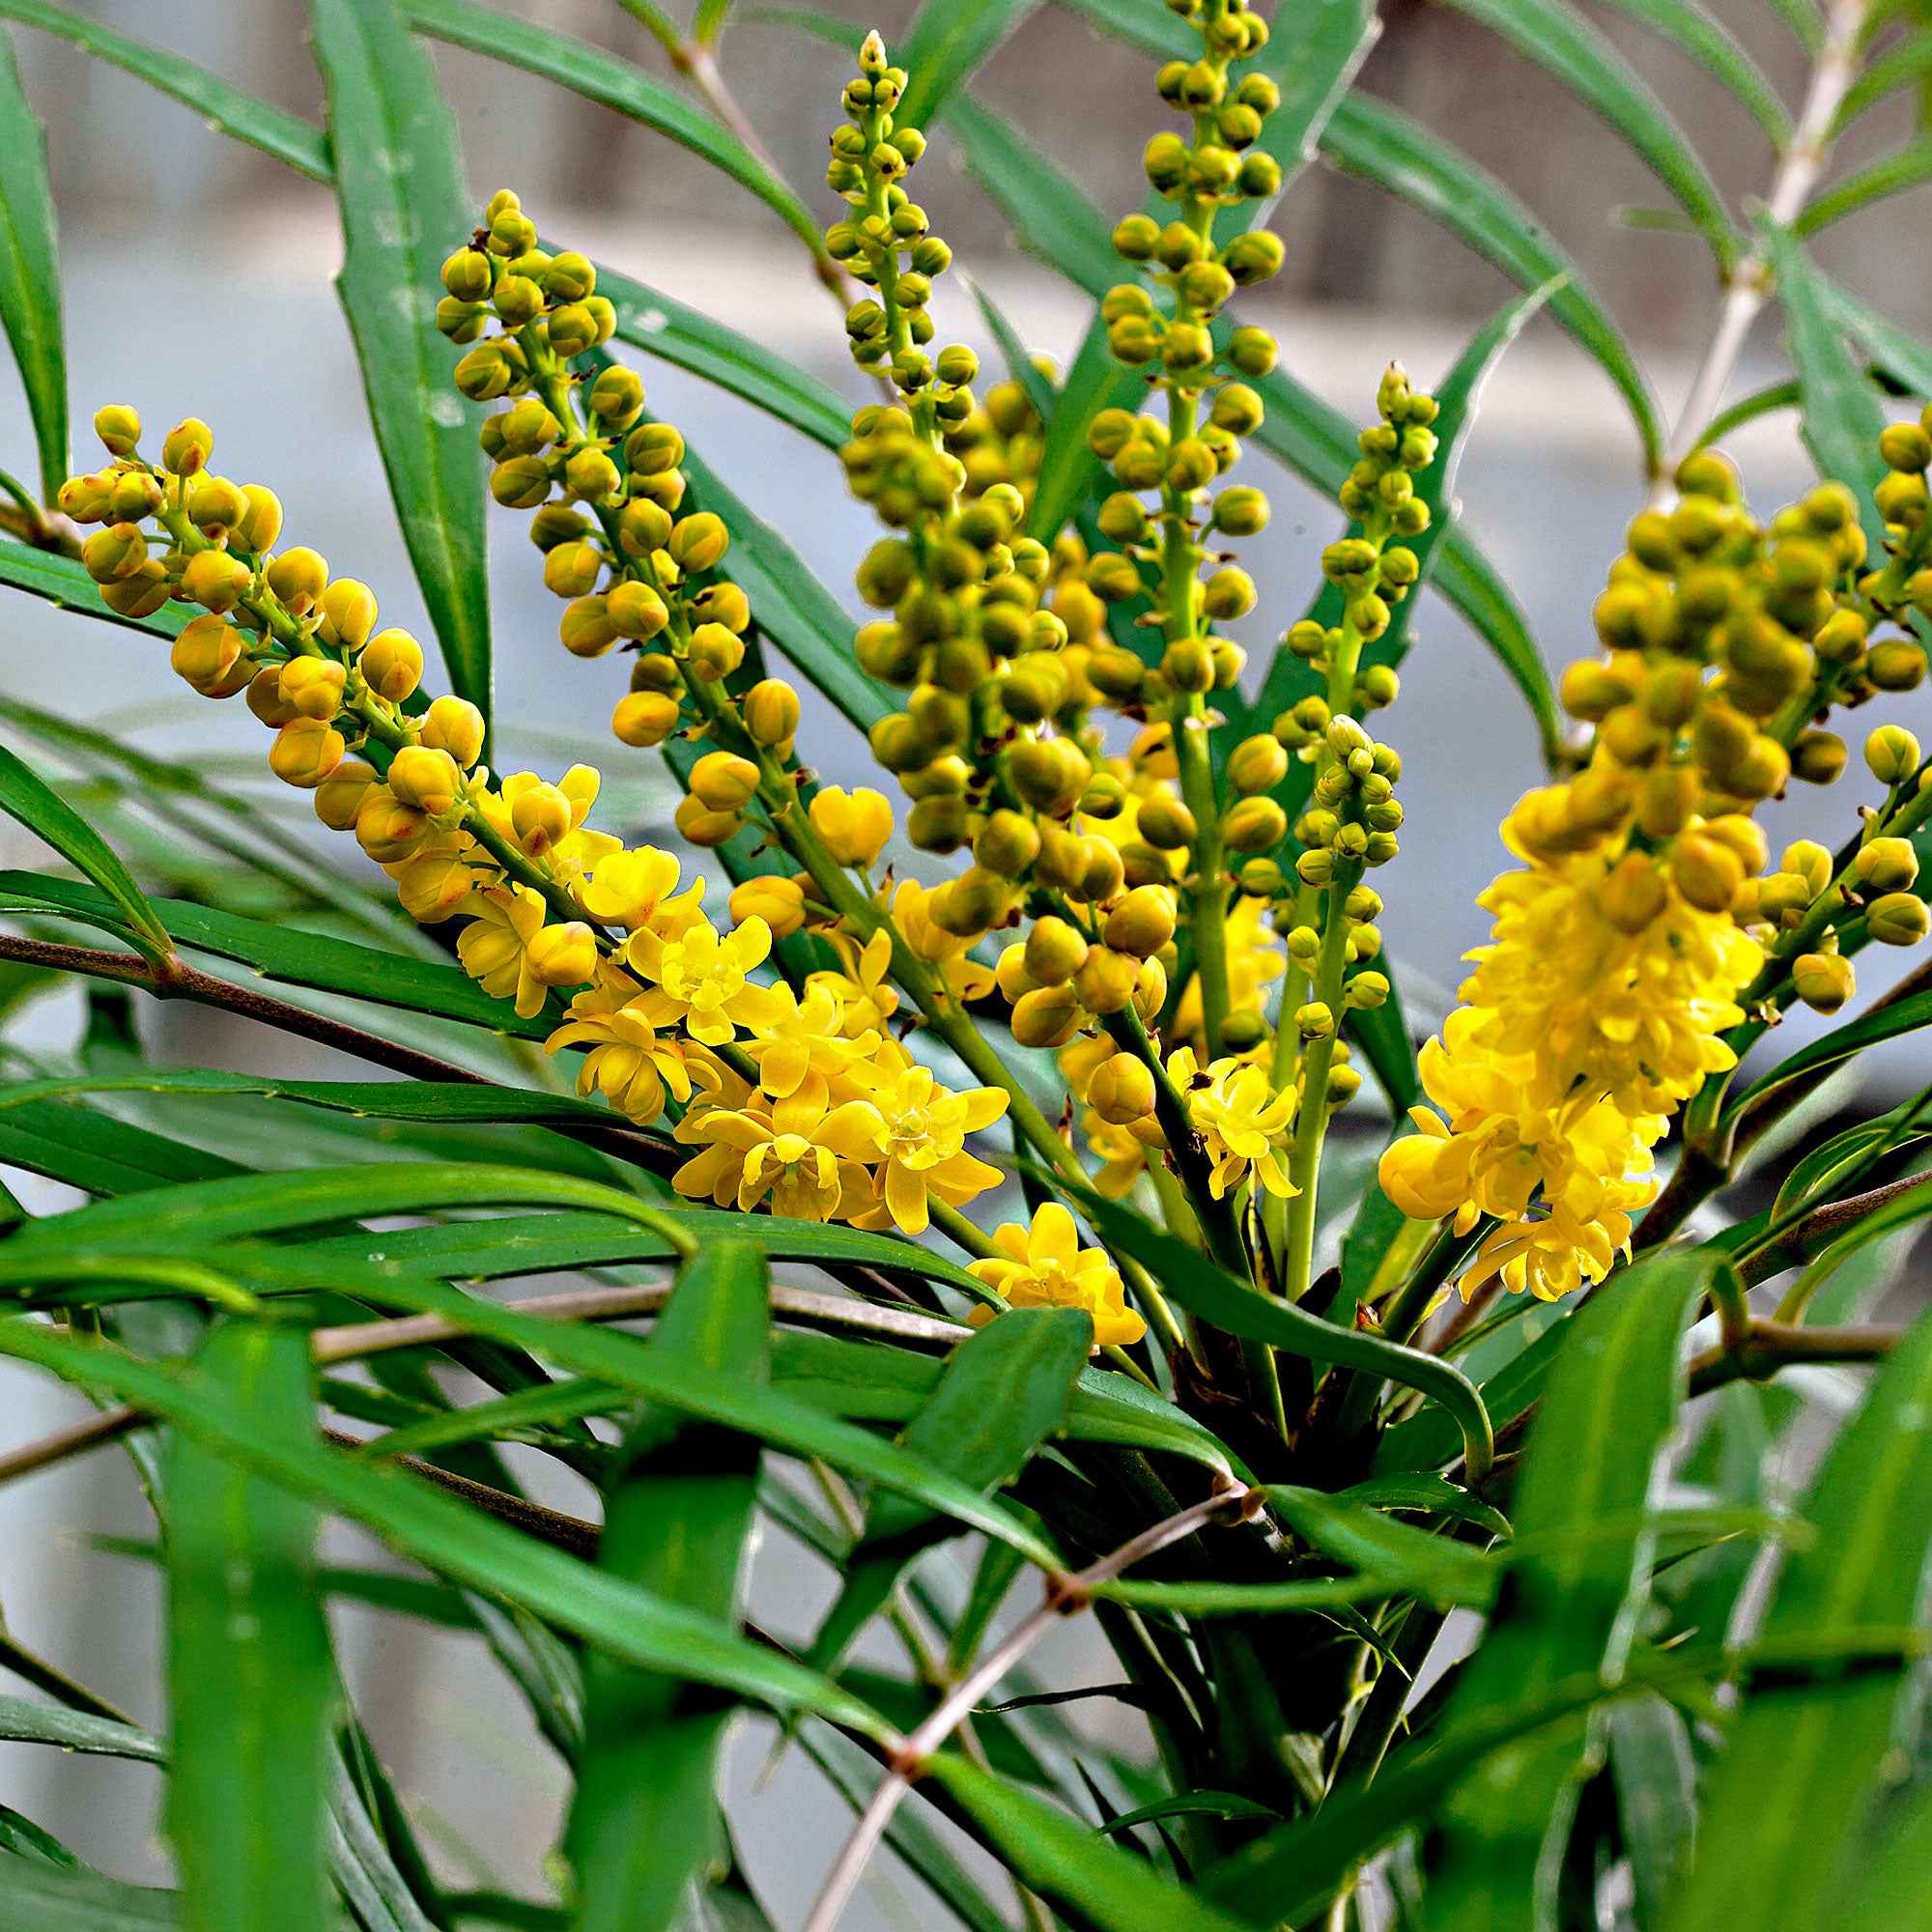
{"x":1767,"y":1347}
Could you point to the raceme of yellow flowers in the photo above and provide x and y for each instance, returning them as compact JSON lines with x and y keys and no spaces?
{"x":1121,"y":894}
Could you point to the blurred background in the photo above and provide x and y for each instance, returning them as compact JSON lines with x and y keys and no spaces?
{"x":198,"y":279}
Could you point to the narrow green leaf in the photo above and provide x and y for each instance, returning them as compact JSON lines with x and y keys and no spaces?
{"x":1839,"y":409}
{"x":1217,"y":1297}
{"x":64,"y":584}
{"x":1378,"y":142}
{"x":613,"y":83}
{"x":1907,"y":62}
{"x":1426,"y":1442}
{"x":250,"y":1674}
{"x":399,"y":186}
{"x":946,"y":44}
{"x":452,"y":1539}
{"x":286,"y":137}
{"x":1896,"y":352}
{"x":1842,"y":1044}
{"x":679,"y":1513}
{"x":1061,"y":1860}
{"x":1902,"y":1210}
{"x":998,"y":1398}
{"x":1716,"y":49}
{"x":1764,"y":401}
{"x":1067,"y":468}
{"x":660,"y":325}
{"x":1607,"y":1415}
{"x":37,"y":1898}
{"x":21,"y":1838}
{"x":28,"y":798}
{"x":24,"y":1721}
{"x":30,"y":286}
{"x":1657,"y":1797}
{"x":1804,"y":19}
{"x":1566,"y":46}
{"x":291,"y":956}
{"x":1904,"y":168}
{"x":101,"y":1154}
{"x":1889,"y":1893}
{"x":1805,"y":1767}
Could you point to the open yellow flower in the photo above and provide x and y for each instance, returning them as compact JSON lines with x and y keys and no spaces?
{"x":866,"y":984}
{"x":1245,"y":1122}
{"x":807,"y":1157}
{"x":495,"y":946}
{"x":802,"y":1045}
{"x":923,"y":1143}
{"x":703,"y":981}
{"x":630,"y":1062}
{"x":639,"y":887}
{"x":1045,"y":1266}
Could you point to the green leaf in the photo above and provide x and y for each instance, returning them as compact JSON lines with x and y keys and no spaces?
{"x":1206,"y":1292}
{"x":1889,"y":1893}
{"x":30,"y":288}
{"x":1806,"y":1768}
{"x":1560,"y":41}
{"x":613,"y":83}
{"x":1716,"y":49}
{"x":452,"y":1539}
{"x":1901,"y":65}
{"x":1067,"y":468}
{"x":1902,"y":1210}
{"x":1805,"y":21}
{"x":286,"y":137}
{"x":21,"y":1838}
{"x":1288,"y":678}
{"x":679,"y":1513}
{"x":660,"y":325}
{"x":399,"y":186}
{"x":1657,"y":1797}
{"x":1574,"y":1607}
{"x":1379,"y":143}
{"x":946,"y":44}
{"x":99,"y":1155}
{"x":1839,"y":409}
{"x":24,"y":1721}
{"x":291,"y":956}
{"x":998,"y":1398}
{"x":37,"y":1898}
{"x":1895,"y":351}
{"x":28,"y":798}
{"x":1906,"y":167}
{"x":63,"y":582}
{"x":1061,"y":1860}
{"x":1842,"y":1044}
{"x":1764,"y":401}
{"x":251,"y":1678}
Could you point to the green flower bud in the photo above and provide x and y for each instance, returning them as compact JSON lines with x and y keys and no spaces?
{"x":570,"y":569}
{"x":1166,"y":824}
{"x":1262,"y":880}
{"x":1906,"y":446}
{"x":1136,"y":237}
{"x":617,"y":397}
{"x":521,"y":482}
{"x":1898,"y":919}
{"x":518,"y":299}
{"x":1886,"y":865}
{"x":1818,"y":757}
{"x":585,"y":628}
{"x":1892,"y":754}
{"x":1256,"y":764}
{"x":1823,"y":981}
{"x":1241,"y":511}
{"x":1897,"y":665}
{"x":1254,"y":824}
{"x":1256,"y":256}
{"x":1251,"y":351}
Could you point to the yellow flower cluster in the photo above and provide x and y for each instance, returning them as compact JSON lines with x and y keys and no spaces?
{"x":1045,"y":1266}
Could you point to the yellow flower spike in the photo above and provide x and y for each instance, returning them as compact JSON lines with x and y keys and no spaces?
{"x":923,"y":1143}
{"x":629,"y":1062}
{"x":494,"y":948}
{"x":1045,"y":1266}
{"x":853,"y":825}
{"x":639,"y":887}
{"x":702,"y":980}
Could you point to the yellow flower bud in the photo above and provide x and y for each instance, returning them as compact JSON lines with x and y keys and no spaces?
{"x":391,"y":664}
{"x":723,"y":781}
{"x":1818,"y":757}
{"x":349,"y":616}
{"x":305,"y":751}
{"x":215,"y":507}
{"x":779,"y":901}
{"x":563,"y":955}
{"x":312,"y":687}
{"x":455,"y":726}
{"x":716,"y":651}
{"x":1166,"y":824}
{"x":540,"y":817}
{"x":387,"y":830}
{"x":214,"y":580}
{"x":1823,"y":981}
{"x":1810,"y":860}
{"x":87,"y":500}
{"x":1315,"y":1020}
{"x":1120,"y":1089}
{"x":702,"y":826}
{"x":699,"y":541}
{"x":1706,"y":871}
{"x":1256,"y":764}
{"x":1054,"y":951}
{"x":297,"y":578}
{"x":338,"y":798}
{"x":425,"y":778}
{"x":188,"y":446}
{"x":1048,"y":1016}
{"x":770,"y":713}
{"x":642,"y":527}
{"x":1254,"y":824}
{"x":119,"y":428}
{"x":644,"y":717}
{"x":1887,"y":864}
{"x":1898,"y":919}
{"x":1892,"y":754}
{"x":265,"y":700}
{"x":1106,"y":980}
{"x":1785,"y":899}
{"x":208,"y":655}
{"x":136,"y":496}
{"x":262,"y":521}
{"x":1143,"y":923}
{"x":1633,"y":895}
{"x":1897,"y":665}
{"x":571,"y":569}
{"x":854,"y":826}
{"x":635,"y":610}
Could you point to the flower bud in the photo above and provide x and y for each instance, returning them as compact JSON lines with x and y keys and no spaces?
{"x":208,"y":655}
{"x":1818,"y":757}
{"x":1241,"y":511}
{"x":854,"y":826}
{"x":391,"y":664}
{"x":1254,"y":824}
{"x":1897,"y":665}
{"x":188,"y":446}
{"x":1120,"y":1089}
{"x":1054,"y":951}
{"x":644,"y":717}
{"x":1256,"y":764}
{"x":1143,"y":923}
{"x":426,"y":778}
{"x":119,"y":428}
{"x":1886,"y":865}
{"x":770,"y":713}
{"x":1313,"y":1021}
{"x":699,"y":541}
{"x":1785,"y":899}
{"x":297,"y":578}
{"x":562,"y":955}
{"x":349,"y":616}
{"x":305,"y":751}
{"x":1823,"y":981}
{"x":338,"y":798}
{"x":1892,"y":754}
{"x":455,"y":726}
{"x":312,"y":687}
{"x":723,"y":781}
{"x":1166,"y":824}
{"x":1898,"y":919}
{"x":387,"y":829}
{"x":779,"y":901}
{"x":1048,"y":1016}
{"x":215,"y":507}
{"x":1706,"y":871}
{"x":585,"y":628}
{"x":1106,"y":980}
{"x":1810,"y":860}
